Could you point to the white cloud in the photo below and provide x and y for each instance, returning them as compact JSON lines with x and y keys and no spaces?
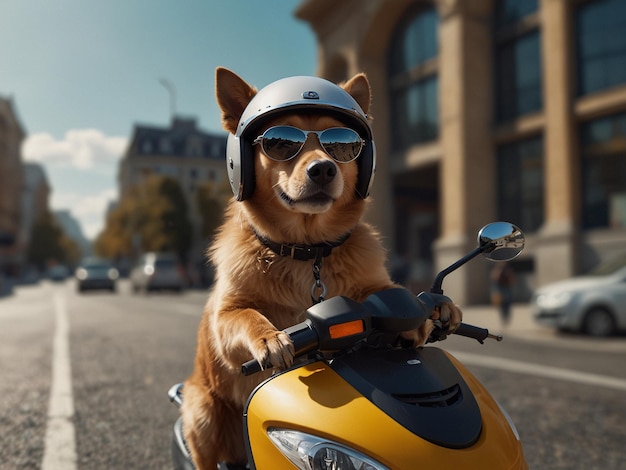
{"x":81,"y":170}
{"x":88,"y":209}
{"x":80,"y":148}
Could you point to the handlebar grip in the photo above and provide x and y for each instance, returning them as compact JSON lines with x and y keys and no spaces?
{"x":304,"y":339}
{"x":475,"y":332}
{"x":251,"y":367}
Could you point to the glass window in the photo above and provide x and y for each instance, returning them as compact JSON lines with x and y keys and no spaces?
{"x":511,"y":11}
{"x":165,"y":146}
{"x":217,"y":149}
{"x":146,"y":146}
{"x":518,"y":80}
{"x":416,"y":113}
{"x":193,"y":146}
{"x":517,"y":59}
{"x":414,"y":83}
{"x":601,"y":45}
{"x":416,"y":43}
{"x":520,"y":183}
{"x":603,"y":155}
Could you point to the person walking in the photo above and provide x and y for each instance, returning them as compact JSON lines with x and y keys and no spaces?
{"x":502,"y":281}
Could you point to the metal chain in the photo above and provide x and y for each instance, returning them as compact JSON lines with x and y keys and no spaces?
{"x":318,"y":284}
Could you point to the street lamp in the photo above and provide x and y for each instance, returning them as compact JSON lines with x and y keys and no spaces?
{"x":172,"y":92}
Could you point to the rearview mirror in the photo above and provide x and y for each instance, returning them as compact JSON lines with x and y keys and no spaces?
{"x":503,"y":241}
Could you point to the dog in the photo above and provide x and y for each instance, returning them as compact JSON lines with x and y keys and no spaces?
{"x":308,"y":200}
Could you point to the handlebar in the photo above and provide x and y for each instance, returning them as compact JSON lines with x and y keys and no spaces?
{"x":323,"y":329}
{"x":304,"y":340}
{"x":475,"y":332}
{"x":251,"y":367}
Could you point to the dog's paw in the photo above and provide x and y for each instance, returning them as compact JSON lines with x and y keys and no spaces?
{"x":446,"y":318}
{"x":274,"y":349}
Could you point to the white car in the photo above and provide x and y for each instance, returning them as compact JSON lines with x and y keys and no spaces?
{"x":157,"y":271}
{"x":594,"y":304}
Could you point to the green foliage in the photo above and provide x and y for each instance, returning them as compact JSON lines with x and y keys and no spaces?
{"x":211,"y":200}
{"x":49,"y":244}
{"x":116,"y":240}
{"x":154,"y":217}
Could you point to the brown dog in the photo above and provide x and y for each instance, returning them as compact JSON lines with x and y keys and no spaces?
{"x":307,"y":200}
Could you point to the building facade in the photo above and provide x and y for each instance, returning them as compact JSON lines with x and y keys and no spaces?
{"x":182,"y":151}
{"x":11,"y":181}
{"x":489,"y":110}
{"x":35,"y":203}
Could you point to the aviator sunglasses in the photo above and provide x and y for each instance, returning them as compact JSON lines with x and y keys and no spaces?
{"x":282,"y":143}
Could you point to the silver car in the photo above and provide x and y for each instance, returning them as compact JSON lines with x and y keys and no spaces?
{"x":594,"y":304}
{"x":157,"y":271}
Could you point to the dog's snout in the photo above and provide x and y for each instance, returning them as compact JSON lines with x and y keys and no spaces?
{"x":321,"y":171}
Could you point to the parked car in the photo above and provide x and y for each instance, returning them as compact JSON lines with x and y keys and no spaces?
{"x":594,"y":304}
{"x":94,"y":273}
{"x":58,"y":273}
{"x":157,"y":271}
{"x":30,"y":275}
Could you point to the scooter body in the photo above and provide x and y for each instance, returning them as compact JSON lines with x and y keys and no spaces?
{"x":358,"y":400}
{"x":404,"y":410}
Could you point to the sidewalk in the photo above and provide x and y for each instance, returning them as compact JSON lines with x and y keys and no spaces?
{"x":523,"y":326}
{"x":487,"y":316}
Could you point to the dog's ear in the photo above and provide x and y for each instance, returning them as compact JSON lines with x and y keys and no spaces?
{"x":233,"y":95}
{"x":359,"y":87}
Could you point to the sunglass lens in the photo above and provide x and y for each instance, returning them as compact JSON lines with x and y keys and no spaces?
{"x":343,"y":144}
{"x":283,"y":142}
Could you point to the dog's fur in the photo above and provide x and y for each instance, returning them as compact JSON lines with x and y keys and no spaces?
{"x":258,"y":293}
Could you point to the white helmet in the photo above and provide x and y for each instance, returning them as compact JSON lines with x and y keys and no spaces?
{"x":289,"y":95}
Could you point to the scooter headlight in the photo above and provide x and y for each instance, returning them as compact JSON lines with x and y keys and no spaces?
{"x":308,"y":452}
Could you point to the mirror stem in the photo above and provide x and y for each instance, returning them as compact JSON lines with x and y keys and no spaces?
{"x":436,"y":287}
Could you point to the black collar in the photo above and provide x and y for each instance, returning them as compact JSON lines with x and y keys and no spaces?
{"x":301,"y":252}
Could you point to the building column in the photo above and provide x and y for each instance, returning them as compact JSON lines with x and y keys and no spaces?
{"x":557,"y":243}
{"x":467,"y":167}
{"x":382,"y":190}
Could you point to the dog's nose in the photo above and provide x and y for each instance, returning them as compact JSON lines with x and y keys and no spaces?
{"x":321,"y":171}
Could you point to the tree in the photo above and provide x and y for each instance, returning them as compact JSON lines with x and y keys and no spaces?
{"x":115,"y":242}
{"x":211,"y":199}
{"x":49,"y":244}
{"x":154,"y":217}
{"x":167,"y":226}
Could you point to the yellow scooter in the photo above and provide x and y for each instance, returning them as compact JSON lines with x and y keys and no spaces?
{"x":358,"y":400}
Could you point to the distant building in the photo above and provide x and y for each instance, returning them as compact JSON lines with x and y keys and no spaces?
{"x":182,"y":151}
{"x":485,"y":110}
{"x":11,"y":180}
{"x":71,"y":227}
{"x":35,"y":202}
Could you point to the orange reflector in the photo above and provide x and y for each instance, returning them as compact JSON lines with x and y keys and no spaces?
{"x":346,"y":329}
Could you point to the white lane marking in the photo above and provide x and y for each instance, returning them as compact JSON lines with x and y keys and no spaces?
{"x":60,"y":441}
{"x":539,"y":370}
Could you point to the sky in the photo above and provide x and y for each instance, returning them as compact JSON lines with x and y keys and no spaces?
{"x":82,"y":73}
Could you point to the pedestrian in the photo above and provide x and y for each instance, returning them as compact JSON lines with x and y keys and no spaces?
{"x":502,"y":281}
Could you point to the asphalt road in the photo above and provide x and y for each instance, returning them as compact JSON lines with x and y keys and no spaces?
{"x":566,"y":395}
